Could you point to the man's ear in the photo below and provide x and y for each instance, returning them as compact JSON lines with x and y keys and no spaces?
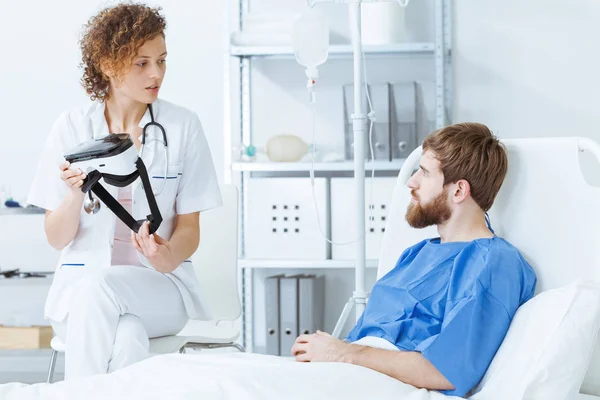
{"x":462,"y":190}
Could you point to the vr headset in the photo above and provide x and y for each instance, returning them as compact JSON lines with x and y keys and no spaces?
{"x":115,"y":159}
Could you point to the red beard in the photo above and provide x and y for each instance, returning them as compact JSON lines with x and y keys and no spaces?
{"x":434,"y":212}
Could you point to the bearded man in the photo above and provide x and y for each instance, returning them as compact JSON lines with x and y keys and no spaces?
{"x":438,"y":317}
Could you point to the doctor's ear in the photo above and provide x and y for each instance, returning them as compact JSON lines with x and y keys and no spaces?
{"x":108,"y":71}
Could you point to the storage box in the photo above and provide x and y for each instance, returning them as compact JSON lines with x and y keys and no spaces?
{"x":25,"y":337}
{"x":282,"y":221}
{"x":343,"y":223}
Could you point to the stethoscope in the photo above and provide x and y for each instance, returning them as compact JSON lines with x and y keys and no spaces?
{"x":91,"y":205}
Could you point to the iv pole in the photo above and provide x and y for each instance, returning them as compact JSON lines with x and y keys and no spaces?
{"x":359,"y":123}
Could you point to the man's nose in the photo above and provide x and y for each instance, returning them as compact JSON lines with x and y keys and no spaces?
{"x":412,"y":182}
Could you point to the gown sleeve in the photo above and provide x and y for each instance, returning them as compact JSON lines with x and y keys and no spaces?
{"x":471,"y":334}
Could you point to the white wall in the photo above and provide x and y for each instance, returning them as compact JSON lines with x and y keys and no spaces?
{"x":528,"y":68}
{"x":39,"y":74}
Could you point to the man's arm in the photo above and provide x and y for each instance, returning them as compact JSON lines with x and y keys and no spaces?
{"x":408,"y":367}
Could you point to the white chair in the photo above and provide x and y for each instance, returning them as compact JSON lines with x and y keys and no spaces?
{"x":216,"y":267}
{"x":545,"y":208}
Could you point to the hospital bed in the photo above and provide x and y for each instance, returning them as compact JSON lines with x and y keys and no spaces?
{"x":545,"y":207}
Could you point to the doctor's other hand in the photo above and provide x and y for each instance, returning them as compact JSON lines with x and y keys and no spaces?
{"x":321,"y":347}
{"x":156,"y":249}
{"x":72,"y":177}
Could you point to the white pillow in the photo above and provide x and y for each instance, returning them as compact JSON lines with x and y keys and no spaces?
{"x":591,"y":383}
{"x":548,"y":347}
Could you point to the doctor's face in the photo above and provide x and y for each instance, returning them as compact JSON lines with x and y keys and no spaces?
{"x":142,"y":82}
{"x":430,"y":204}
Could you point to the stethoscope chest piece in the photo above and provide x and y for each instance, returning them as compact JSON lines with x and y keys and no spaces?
{"x":91,"y":205}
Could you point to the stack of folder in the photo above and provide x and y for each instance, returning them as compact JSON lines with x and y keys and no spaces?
{"x":294,"y":305}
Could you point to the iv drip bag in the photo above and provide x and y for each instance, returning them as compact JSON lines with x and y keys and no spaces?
{"x":311,"y":41}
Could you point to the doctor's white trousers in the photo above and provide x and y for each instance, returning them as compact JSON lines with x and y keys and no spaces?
{"x":113,"y":313}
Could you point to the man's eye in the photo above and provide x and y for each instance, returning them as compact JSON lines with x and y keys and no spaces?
{"x":141,"y":64}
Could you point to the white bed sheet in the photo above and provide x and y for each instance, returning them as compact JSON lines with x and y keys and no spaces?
{"x":238,"y":376}
{"x":226,"y":376}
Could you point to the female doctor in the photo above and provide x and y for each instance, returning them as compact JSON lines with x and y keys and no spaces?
{"x":113,"y":289}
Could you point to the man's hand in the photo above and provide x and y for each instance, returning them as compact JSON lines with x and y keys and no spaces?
{"x":320,"y":347}
{"x":156,"y":249}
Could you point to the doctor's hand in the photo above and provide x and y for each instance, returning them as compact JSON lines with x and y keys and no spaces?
{"x":320,"y":347}
{"x":156,"y":249}
{"x":72,"y":177}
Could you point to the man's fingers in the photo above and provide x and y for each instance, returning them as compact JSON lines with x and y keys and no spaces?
{"x":303,"y":357}
{"x":321,"y":333}
{"x":64,"y":165}
{"x":299,"y":348}
{"x":303,"y":338}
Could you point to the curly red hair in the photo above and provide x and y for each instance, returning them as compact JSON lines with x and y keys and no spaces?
{"x":111,"y":40}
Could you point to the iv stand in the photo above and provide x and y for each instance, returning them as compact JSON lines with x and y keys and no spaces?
{"x":359,"y":123}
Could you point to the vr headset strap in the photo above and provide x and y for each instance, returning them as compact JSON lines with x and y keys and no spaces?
{"x":155,"y":218}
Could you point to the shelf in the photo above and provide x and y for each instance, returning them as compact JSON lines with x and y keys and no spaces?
{"x":291,"y":264}
{"x":21,"y":210}
{"x":346,"y":166}
{"x":336,"y":50}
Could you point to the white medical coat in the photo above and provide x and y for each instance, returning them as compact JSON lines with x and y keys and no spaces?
{"x":191,"y":186}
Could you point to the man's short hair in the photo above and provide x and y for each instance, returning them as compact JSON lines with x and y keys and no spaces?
{"x":471,"y":152}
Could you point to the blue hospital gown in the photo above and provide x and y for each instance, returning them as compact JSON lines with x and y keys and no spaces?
{"x":452,"y":302}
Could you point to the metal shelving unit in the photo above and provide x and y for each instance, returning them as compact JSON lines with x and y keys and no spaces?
{"x":341,"y":166}
{"x":336,"y":51}
{"x":331,"y":264}
{"x":237,"y":77}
